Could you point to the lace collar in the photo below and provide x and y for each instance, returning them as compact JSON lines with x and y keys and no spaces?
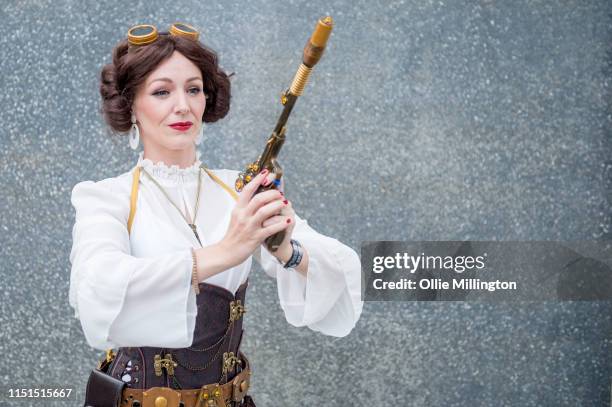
{"x":171,"y":173}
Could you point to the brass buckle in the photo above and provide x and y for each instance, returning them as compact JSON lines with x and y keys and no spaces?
{"x":166,"y":363}
{"x":229,"y":361}
{"x":210,"y":395}
{"x":237,"y":310}
{"x":160,"y":397}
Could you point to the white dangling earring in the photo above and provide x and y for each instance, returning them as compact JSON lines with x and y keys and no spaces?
{"x":198,"y":138}
{"x":134,"y":134}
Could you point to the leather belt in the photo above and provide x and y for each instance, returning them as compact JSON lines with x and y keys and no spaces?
{"x":209,"y":395}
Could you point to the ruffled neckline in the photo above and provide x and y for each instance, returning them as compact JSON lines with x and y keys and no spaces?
{"x":173,"y":172}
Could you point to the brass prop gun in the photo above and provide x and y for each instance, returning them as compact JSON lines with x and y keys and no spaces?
{"x":267,"y":160}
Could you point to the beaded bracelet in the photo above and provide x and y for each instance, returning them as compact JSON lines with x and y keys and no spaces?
{"x":194,"y":272}
{"x":296,"y":255}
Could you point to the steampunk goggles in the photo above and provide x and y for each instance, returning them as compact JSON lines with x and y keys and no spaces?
{"x":144,"y":34}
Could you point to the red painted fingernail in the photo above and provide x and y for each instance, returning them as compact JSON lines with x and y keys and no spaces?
{"x":285,"y":202}
{"x":288,"y":220}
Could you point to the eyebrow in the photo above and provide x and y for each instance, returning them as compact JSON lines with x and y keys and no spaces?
{"x":170,"y":80}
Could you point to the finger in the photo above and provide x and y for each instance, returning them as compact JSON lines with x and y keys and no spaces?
{"x":271,"y":179}
{"x":281,"y":217}
{"x":247,"y":192}
{"x":274,"y":228}
{"x":274,"y":219}
{"x":287,"y":210}
{"x":262,"y":199}
{"x":281,"y":187}
{"x":270,"y":209}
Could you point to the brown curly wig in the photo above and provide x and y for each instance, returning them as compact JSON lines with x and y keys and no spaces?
{"x":120,"y":79}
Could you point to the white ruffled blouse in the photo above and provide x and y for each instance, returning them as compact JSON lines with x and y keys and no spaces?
{"x":124,"y":287}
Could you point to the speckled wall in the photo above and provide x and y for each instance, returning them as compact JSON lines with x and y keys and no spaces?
{"x":426,"y":120}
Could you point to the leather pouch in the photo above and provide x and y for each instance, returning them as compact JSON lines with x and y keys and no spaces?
{"x":103,"y":390}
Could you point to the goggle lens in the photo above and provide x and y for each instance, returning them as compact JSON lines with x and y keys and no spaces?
{"x":145,"y":34}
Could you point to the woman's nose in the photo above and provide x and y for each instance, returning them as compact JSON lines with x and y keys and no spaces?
{"x":181,"y":104}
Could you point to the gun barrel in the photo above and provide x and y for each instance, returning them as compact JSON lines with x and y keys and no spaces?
{"x":322,"y":32}
{"x":312,"y":54}
{"x":318,"y":40}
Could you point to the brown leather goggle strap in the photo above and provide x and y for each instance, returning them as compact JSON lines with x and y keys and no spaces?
{"x":208,"y":395}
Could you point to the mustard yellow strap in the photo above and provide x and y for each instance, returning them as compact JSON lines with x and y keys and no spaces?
{"x":133,"y":198}
{"x":221,"y":183}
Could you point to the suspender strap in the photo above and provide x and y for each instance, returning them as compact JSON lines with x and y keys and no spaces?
{"x":134,"y":194}
{"x":221,"y":183}
{"x":133,"y":198}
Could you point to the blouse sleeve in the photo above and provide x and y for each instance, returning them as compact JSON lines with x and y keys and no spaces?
{"x":122,"y":300}
{"x":328,"y":298}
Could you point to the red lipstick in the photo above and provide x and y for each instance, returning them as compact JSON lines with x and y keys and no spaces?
{"x":181,"y":126}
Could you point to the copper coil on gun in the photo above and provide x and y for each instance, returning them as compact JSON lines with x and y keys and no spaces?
{"x":300,"y":80}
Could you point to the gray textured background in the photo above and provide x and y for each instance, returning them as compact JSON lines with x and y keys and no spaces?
{"x":425,"y":120}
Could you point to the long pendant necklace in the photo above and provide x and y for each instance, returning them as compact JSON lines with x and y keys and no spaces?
{"x":192,"y":224}
{"x":217,"y":344}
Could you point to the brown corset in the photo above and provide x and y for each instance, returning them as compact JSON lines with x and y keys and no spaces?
{"x":216,"y":334}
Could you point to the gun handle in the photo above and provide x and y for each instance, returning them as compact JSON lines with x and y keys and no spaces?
{"x":273,"y":242}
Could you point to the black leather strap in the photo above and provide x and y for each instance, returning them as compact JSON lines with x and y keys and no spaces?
{"x":103,"y":390}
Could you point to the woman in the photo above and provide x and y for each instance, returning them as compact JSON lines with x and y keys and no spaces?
{"x":161,"y":254}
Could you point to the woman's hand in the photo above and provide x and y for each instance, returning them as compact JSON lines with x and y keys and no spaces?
{"x":254,"y":218}
{"x":284,"y":251}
